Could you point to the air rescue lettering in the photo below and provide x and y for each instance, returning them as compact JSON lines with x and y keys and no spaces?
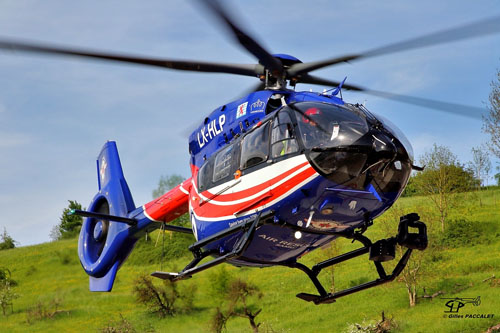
{"x":210,"y":131}
{"x":282,"y":244}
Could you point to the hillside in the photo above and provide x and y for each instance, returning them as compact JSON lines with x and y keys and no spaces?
{"x":460,"y":263}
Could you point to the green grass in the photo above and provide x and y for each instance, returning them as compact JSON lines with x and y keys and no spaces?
{"x":52,"y":270}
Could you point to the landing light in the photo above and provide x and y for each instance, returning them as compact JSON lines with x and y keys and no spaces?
{"x":298,"y":235}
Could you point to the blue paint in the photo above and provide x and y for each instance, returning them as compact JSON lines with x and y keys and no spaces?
{"x":374,"y":192}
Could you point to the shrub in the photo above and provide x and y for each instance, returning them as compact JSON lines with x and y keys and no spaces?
{"x":165,"y":299}
{"x":6,"y":242}
{"x":7,"y":294}
{"x":239,"y":301}
{"x":45,"y":310}
{"x":461,"y":232}
{"x":119,"y":326}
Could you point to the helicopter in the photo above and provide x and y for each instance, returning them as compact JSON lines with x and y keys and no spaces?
{"x":275,"y":174}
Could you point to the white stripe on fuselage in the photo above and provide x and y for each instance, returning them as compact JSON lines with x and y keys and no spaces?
{"x":259,"y":177}
{"x":258,"y":209}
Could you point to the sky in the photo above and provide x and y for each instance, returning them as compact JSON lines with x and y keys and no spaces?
{"x":56,"y":113}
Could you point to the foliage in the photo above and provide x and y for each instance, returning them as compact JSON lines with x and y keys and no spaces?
{"x":159,"y":247}
{"x":282,"y":311}
{"x":44,"y":310}
{"x":221,"y":282}
{"x":442,"y":178}
{"x":7,"y":294}
{"x":461,"y":232}
{"x":120,"y":326}
{"x":383,"y":326}
{"x":164,"y":300}
{"x":412,"y":274}
{"x":69,"y":225}
{"x":410,"y":189}
{"x":331,"y":251}
{"x":416,"y":268}
{"x":66,"y":257}
{"x":480,"y":164}
{"x":165,"y":245}
{"x":238,"y":302}
{"x":7,"y":241}
{"x":5,"y":275}
{"x":167,"y":183}
{"x":491,"y":123}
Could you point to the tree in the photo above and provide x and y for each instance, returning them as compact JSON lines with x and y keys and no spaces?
{"x":442,"y":178}
{"x":491,"y":122}
{"x":165,"y":299}
{"x":167,"y":183}
{"x":238,"y":303}
{"x":70,"y":225}
{"x":7,"y":294}
{"x":480,"y":164}
{"x":7,"y":242}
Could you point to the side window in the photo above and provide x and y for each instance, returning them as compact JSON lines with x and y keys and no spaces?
{"x":223,"y":163}
{"x":205,"y":175}
{"x":255,"y":147}
{"x":283,"y":137}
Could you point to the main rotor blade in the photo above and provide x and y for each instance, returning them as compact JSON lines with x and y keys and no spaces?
{"x":265,"y":58}
{"x":194,"y":66}
{"x":476,"y":29}
{"x":454,"y":108}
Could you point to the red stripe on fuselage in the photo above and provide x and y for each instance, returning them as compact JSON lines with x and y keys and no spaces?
{"x":253,"y":190}
{"x":211,"y":209}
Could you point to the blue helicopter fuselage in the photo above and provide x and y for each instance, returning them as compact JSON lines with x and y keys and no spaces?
{"x":314,"y":161}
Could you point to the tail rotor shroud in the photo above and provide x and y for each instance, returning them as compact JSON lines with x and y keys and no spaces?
{"x":103,"y":244}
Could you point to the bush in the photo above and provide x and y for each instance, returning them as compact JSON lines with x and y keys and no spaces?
{"x":165,"y":299}
{"x":66,"y":256}
{"x":45,"y":310}
{"x":382,"y":326}
{"x":238,"y":301}
{"x":7,"y":242}
{"x":69,"y":225}
{"x":221,"y":280}
{"x":7,"y":294}
{"x":119,"y":326}
{"x":461,"y":232}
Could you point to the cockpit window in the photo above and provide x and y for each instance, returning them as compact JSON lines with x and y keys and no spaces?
{"x":398,"y":134}
{"x":283,"y":140}
{"x":223,"y":163}
{"x":326,"y":125}
{"x":255,"y":147}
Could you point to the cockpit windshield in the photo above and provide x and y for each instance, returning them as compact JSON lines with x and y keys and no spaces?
{"x":398,"y":134}
{"x":327,"y":126}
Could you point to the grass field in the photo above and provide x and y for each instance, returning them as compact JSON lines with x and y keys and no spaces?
{"x":459,"y":263}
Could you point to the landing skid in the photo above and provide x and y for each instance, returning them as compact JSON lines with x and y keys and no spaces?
{"x":239,"y":247}
{"x":380,"y":251}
